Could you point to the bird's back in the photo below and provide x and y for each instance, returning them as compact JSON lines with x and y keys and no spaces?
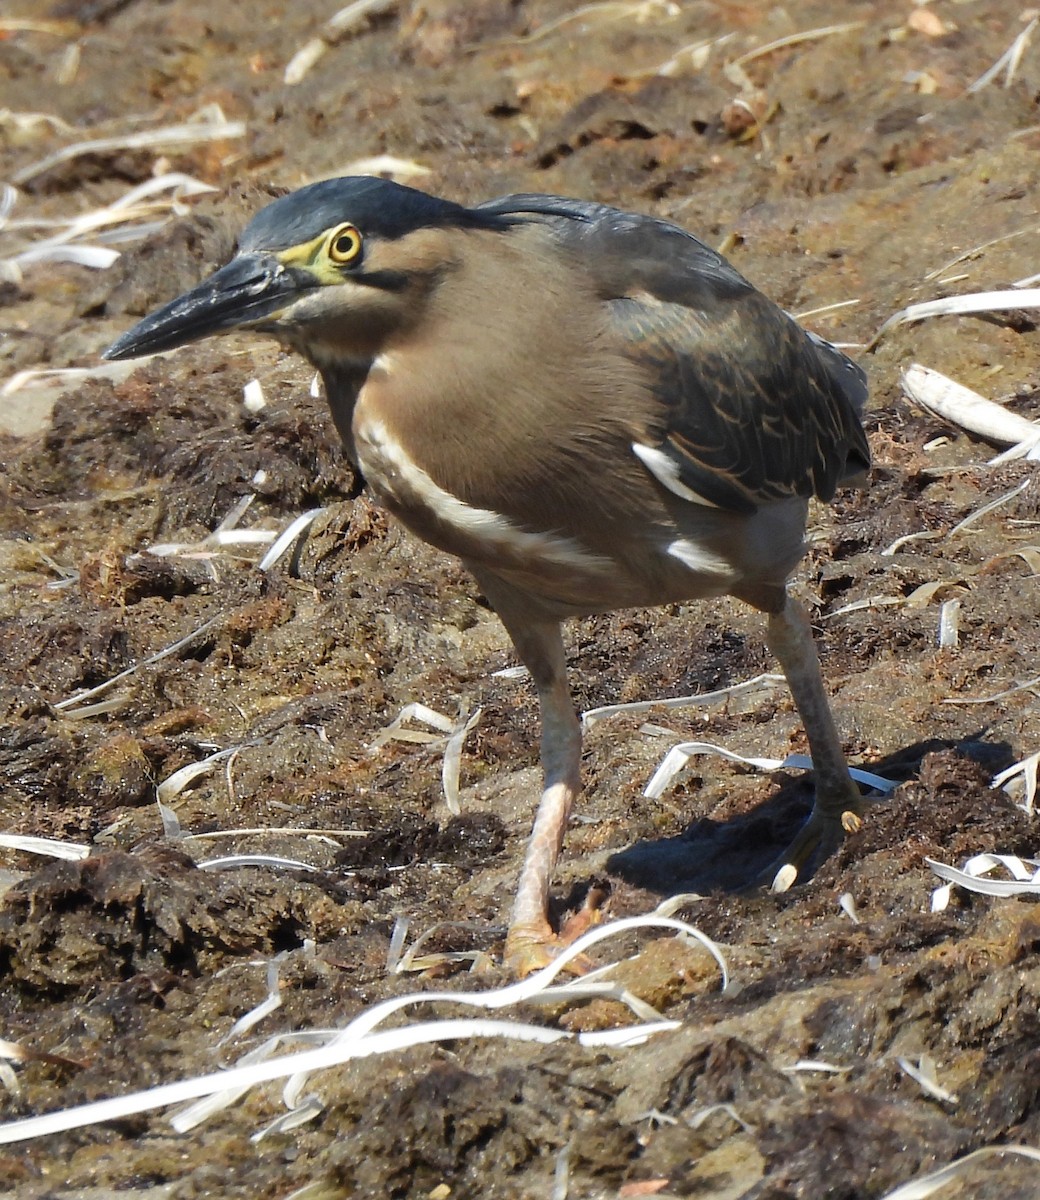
{"x":752,"y":408}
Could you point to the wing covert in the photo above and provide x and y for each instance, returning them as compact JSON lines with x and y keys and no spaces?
{"x":751,"y":408}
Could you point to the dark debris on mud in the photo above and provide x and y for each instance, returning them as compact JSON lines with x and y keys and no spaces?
{"x":847,"y":166}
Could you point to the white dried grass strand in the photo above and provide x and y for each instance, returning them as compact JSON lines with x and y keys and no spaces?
{"x":151,"y":660}
{"x":192,"y":1115}
{"x":8,"y":199}
{"x":317,"y":1189}
{"x":236,"y":512}
{"x":1008,"y":61}
{"x":971,"y":302}
{"x":868,"y":603}
{"x":328,"y":834}
{"x":359,"y":1040}
{"x":923,"y":594}
{"x":50,"y":847}
{"x":172,"y":786}
{"x":823,"y":308}
{"x":397,"y":940}
{"x":677,"y":758}
{"x":796,"y":39}
{"x":415,"y":711}
{"x":878,"y":782}
{"x":255,"y":1015}
{"x":171,"y":823}
{"x":30,"y":122}
{"x":253,"y":399}
{"x":1028,"y":449}
{"x":699,"y":1116}
{"x":238,"y":537}
{"x":562,"y":1174}
{"x":941,"y":898}
{"x":669,"y":907}
{"x":928,"y":1185}
{"x":693,"y":57}
{"x":511,"y":673}
{"x":304,"y":60}
{"x":346,"y":19}
{"x":212,"y":127}
{"x":1029,"y":685}
{"x":1027,"y":768}
{"x":271,"y":1001}
{"x":232,"y":862}
{"x":975,"y":251}
{"x":608,"y":10}
{"x":384,"y":1042}
{"x":973,"y":879}
{"x":600,"y":989}
{"x":972,"y":517}
{"x":949,"y":624}
{"x":541,"y":979}
{"x":67,"y":376}
{"x":124,"y":214}
{"x":309,"y":1108}
{"x":12,"y":1051}
{"x":1022,"y":869}
{"x":964,"y":408}
{"x":451,"y":766}
{"x":815,"y":1065}
{"x":847,"y":904}
{"x":335,"y":29}
{"x":539,"y":982}
{"x":288,"y":537}
{"x":924,"y":1076}
{"x":98,"y":258}
{"x":592,"y":715}
{"x":386,"y":164}
{"x":923,"y":535}
{"x":85,"y":711}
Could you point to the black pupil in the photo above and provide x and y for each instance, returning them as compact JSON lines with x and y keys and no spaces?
{"x":345,"y":244}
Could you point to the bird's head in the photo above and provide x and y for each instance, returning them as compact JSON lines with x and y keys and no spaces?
{"x":333,"y":270}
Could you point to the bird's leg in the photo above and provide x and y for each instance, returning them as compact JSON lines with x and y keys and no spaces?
{"x":531,"y":941}
{"x":838,"y":806}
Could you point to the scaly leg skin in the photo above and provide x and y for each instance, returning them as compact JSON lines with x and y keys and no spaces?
{"x":531,"y":942}
{"x":838,"y":808}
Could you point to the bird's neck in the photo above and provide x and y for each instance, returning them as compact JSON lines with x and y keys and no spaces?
{"x":343,"y":381}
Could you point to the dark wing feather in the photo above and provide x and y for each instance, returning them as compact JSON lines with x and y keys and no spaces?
{"x":752,"y":408}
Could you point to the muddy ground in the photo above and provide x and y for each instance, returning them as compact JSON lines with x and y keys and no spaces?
{"x":849,"y":166}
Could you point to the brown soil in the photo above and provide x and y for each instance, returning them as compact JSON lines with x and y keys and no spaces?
{"x":872,"y":167}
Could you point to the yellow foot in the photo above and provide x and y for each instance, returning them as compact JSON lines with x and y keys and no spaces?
{"x":532,"y":946}
{"x":821,"y":832}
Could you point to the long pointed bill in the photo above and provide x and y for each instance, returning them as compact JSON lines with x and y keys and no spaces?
{"x":249,"y":289}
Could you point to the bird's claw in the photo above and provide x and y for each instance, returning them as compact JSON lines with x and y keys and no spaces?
{"x":823,"y":830}
{"x":851,"y":820}
{"x":531,"y":947}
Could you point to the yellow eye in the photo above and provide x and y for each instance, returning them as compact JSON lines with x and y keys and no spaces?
{"x":345,"y":244}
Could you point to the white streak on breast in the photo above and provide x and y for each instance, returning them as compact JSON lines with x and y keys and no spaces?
{"x":382,"y":364}
{"x":702,"y":561}
{"x":389,"y":469}
{"x":666,"y":472}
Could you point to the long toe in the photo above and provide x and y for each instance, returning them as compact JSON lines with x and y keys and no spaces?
{"x":817,"y":839}
{"x":532,"y":946}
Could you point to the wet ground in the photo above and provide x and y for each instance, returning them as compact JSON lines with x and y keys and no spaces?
{"x":851,"y":165}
